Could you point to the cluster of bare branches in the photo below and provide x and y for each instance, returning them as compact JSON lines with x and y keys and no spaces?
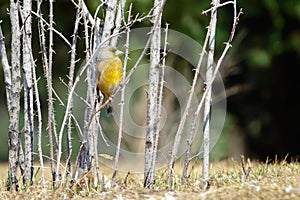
{"x":205,"y":102}
{"x":97,"y":34}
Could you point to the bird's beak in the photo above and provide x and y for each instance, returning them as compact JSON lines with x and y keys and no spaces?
{"x":118,"y":52}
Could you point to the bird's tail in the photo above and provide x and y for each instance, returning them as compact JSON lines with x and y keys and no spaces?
{"x":109,"y":110}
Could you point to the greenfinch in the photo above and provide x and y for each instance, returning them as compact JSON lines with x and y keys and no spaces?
{"x":109,"y":73}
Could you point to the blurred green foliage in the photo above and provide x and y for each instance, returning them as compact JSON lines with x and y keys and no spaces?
{"x":264,"y":57}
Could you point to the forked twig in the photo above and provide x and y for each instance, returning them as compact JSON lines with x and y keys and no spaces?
{"x":246,"y":169}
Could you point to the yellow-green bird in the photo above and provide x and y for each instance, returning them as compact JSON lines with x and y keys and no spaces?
{"x":109,"y":73}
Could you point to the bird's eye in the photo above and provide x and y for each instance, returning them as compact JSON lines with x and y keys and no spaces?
{"x":113,"y":50}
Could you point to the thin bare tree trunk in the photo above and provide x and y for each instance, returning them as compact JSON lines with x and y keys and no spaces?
{"x":152,"y":101}
{"x":160,"y":99}
{"x":13,"y":132}
{"x":209,"y":74}
{"x":28,"y":93}
{"x":12,"y":177}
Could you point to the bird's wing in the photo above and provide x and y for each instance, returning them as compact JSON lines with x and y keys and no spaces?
{"x":100,"y":68}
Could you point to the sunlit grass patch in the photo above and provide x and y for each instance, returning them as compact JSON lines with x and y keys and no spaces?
{"x":265,"y":180}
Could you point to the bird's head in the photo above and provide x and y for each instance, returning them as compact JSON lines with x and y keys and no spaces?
{"x":109,"y":52}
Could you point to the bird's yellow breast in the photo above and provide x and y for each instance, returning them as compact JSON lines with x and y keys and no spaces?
{"x":109,"y":75}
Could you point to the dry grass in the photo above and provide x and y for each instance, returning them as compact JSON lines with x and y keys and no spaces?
{"x":229,"y":180}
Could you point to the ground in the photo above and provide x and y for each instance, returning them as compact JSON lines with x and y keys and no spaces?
{"x":229,"y":179}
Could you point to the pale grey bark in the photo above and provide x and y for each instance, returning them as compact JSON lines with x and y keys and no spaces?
{"x":6,"y":69}
{"x":28,"y":93}
{"x":160,"y":98}
{"x":211,"y":75}
{"x":207,"y":103}
{"x":152,"y":99}
{"x":92,"y":131}
{"x":109,"y":22}
{"x":12,"y":181}
{"x":13,"y":131}
{"x":118,"y":22}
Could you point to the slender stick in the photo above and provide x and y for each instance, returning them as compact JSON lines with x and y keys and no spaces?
{"x":70,"y":84}
{"x":51,"y":116}
{"x":122,"y":101}
{"x":90,"y":96}
{"x":40,"y":124}
{"x":88,"y":75}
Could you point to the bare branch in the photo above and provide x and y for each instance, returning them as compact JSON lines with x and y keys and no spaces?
{"x":51,"y":116}
{"x":70,"y":84}
{"x":215,"y":72}
{"x":122,"y":95}
{"x":219,"y":5}
{"x":185,"y":114}
{"x":52,"y":29}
